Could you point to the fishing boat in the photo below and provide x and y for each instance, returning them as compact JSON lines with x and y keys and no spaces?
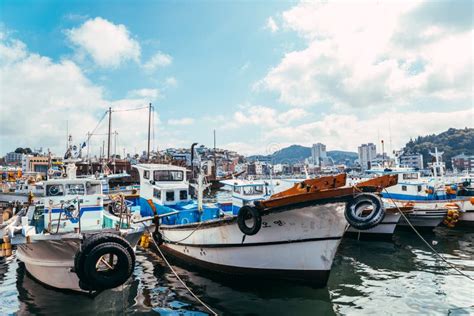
{"x":69,"y":241}
{"x":291,"y":235}
{"x":247,"y":192}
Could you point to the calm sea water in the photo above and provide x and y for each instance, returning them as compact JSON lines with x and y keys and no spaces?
{"x":397,"y":277}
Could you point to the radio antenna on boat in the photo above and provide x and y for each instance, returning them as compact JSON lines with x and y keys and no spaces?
{"x":110,"y":128}
{"x":149,"y":130}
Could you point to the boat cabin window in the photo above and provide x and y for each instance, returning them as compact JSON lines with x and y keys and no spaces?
{"x":404,"y":187}
{"x":419,"y":188}
{"x":183,"y":194}
{"x":146,"y":174}
{"x":75,"y":189}
{"x":157,"y":194}
{"x":93,"y":188}
{"x":54,"y":190}
{"x":169,"y":196}
{"x":237,"y":190}
{"x":410,"y":176}
{"x":253,"y":190}
{"x":168,"y":175}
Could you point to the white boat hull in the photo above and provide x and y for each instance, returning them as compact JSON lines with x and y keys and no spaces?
{"x":298,"y":243}
{"x":52,"y":261}
{"x":385,"y":229}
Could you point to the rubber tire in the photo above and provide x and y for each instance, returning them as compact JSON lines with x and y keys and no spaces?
{"x":244,"y":212}
{"x":90,"y":243}
{"x":108,"y":280}
{"x":370,"y":221}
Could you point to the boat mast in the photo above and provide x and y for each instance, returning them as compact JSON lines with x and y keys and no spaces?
{"x":110,"y":127}
{"x":149,"y":130}
{"x":215,"y":158}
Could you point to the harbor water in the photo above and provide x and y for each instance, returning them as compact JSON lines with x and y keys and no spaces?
{"x":396,"y":277}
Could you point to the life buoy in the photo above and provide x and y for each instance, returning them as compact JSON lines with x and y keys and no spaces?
{"x":245,"y":213}
{"x":364,"y":211}
{"x":92,"y":251}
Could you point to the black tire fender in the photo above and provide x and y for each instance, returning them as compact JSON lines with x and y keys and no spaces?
{"x":247,"y":212}
{"x":361,"y":202}
{"x":89,"y":243}
{"x":122,"y":267}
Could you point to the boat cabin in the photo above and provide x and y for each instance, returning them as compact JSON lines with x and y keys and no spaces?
{"x":245,"y":192}
{"x":167,"y":188}
{"x":70,"y":203}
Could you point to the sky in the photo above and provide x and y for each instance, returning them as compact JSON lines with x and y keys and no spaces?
{"x":263,"y":74}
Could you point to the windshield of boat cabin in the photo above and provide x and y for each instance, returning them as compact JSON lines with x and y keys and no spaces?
{"x":168,"y":175}
{"x":75,"y":189}
{"x":253,"y":190}
{"x":410,"y":176}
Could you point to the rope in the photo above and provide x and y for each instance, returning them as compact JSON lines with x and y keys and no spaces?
{"x":134,"y":109}
{"x":177,"y":276}
{"x":427,"y":243}
{"x":177,"y":241}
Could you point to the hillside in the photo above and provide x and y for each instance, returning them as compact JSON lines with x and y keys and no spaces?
{"x":297,"y":153}
{"x":452,"y":142}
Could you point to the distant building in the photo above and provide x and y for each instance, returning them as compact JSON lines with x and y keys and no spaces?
{"x":411,"y":161}
{"x":463,"y":162}
{"x":367,"y":153}
{"x":13,"y":157}
{"x":318,"y":154}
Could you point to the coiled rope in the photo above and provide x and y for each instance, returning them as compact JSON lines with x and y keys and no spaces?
{"x":427,"y":243}
{"x":178,"y":277}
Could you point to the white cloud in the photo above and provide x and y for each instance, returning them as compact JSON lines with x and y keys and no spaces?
{"x":271,"y":25}
{"x":171,"y":81}
{"x":265,"y":116}
{"x":158,"y":60}
{"x":150,"y":94}
{"x":45,"y":94}
{"x":182,"y":121}
{"x":364,"y":61}
{"x":108,"y":44}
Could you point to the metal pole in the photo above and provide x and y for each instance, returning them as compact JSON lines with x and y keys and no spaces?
{"x":215,"y":158}
{"x":110,"y":126}
{"x":149,"y":130}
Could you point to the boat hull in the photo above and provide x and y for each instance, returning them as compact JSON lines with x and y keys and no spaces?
{"x":52,"y":261}
{"x":295,"y":243}
{"x":385,"y":229}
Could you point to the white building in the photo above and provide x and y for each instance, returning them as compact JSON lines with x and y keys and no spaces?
{"x":411,"y":161}
{"x":367,"y":153}
{"x":13,"y":157}
{"x":318,"y":154}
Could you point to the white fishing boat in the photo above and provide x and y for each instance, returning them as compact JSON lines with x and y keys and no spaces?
{"x":246,"y":192}
{"x":68,"y":241}
{"x":291,"y":235}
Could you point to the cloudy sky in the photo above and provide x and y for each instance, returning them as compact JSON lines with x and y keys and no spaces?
{"x":263,"y":74}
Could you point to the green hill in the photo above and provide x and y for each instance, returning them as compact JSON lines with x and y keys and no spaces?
{"x":298,"y":153}
{"x":452,"y":142}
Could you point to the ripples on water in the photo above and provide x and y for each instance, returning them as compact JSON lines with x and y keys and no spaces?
{"x":399,"y":277}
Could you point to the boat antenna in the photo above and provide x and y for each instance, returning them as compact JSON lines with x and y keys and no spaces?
{"x":110,"y":127}
{"x":215,"y":158}
{"x":149,"y":130}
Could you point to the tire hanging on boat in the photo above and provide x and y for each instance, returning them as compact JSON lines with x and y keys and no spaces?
{"x":245,"y":213}
{"x":93,"y":249}
{"x":357,"y":209}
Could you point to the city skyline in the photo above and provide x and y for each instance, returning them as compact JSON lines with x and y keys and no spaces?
{"x":289,"y":75}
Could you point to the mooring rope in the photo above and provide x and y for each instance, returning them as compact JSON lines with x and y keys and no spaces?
{"x":427,"y":243}
{"x":178,"y":277}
